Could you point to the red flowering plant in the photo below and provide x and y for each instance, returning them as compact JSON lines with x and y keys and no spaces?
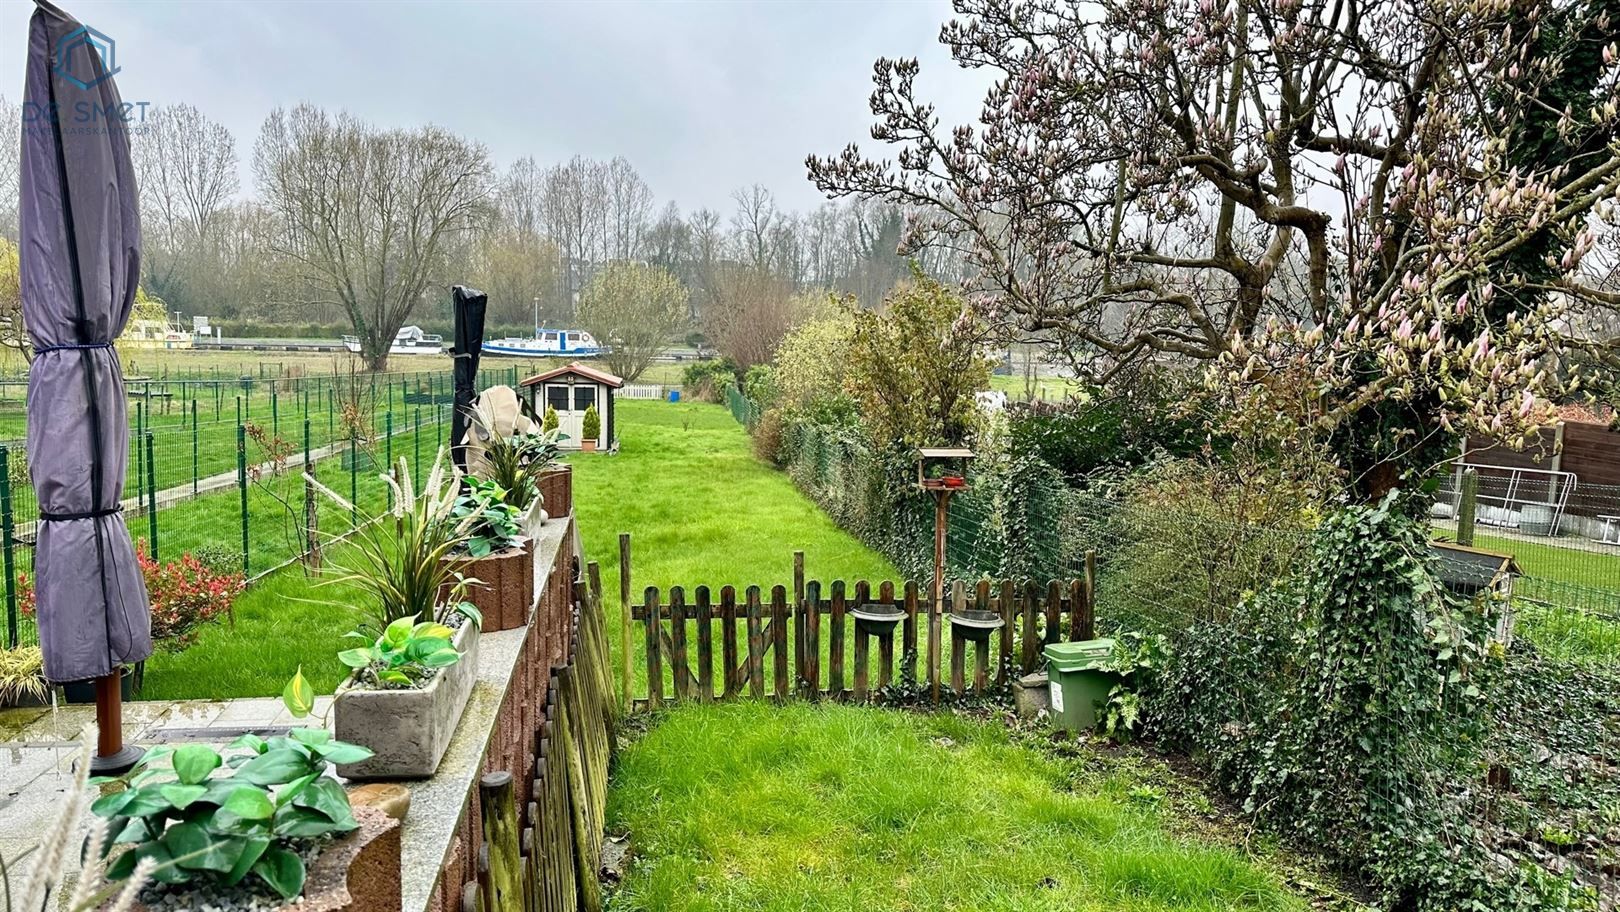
{"x":185,"y":595}
{"x":25,"y":595}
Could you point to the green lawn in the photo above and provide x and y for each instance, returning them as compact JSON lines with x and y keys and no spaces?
{"x":825,"y":807}
{"x":701,"y":509}
{"x":1562,"y":565}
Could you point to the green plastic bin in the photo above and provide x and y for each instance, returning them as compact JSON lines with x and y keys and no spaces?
{"x":1079,"y":681}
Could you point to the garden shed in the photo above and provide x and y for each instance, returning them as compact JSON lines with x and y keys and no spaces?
{"x":571,"y":389}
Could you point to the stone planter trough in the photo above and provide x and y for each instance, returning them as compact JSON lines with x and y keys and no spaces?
{"x":358,"y":873}
{"x":407,"y":730}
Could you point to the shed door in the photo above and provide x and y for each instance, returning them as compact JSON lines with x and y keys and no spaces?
{"x":571,"y":400}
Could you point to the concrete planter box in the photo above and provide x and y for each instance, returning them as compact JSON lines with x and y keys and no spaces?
{"x":358,"y":873}
{"x":407,"y":730}
{"x":508,"y":585}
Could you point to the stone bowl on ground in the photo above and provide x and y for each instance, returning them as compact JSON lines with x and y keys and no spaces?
{"x":358,"y":872}
{"x":406,"y":729}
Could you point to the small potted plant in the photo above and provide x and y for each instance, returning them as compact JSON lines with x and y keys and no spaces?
{"x":550,"y":422}
{"x":262,"y":825}
{"x":590,"y":429}
{"x":495,"y":551}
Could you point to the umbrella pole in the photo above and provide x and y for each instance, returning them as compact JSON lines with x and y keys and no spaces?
{"x":112,"y":757}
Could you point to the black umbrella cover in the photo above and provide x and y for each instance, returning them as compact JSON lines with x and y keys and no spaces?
{"x":469,"y":305}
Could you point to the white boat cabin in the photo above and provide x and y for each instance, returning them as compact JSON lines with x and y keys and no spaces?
{"x":571,"y":389}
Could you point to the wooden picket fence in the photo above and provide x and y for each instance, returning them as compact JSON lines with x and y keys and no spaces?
{"x":773,"y":644}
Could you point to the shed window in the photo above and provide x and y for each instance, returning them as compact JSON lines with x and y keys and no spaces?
{"x":557,"y":398}
{"x":584,"y":397}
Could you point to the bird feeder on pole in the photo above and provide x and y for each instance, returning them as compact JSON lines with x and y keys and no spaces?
{"x":941,"y":471}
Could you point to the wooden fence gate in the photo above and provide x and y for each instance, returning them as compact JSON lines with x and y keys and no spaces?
{"x":818,"y":642}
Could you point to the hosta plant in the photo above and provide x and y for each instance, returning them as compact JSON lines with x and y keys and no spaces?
{"x":491,"y":523}
{"x":204,"y":816}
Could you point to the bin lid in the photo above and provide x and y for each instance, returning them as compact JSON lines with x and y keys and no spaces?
{"x":1079,"y":656}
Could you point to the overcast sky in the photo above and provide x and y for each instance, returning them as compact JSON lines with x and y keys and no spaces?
{"x":702,"y":97}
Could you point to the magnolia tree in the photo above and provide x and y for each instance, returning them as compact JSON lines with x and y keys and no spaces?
{"x":1373,"y":223}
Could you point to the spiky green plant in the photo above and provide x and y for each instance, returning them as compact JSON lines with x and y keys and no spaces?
{"x":397,"y":559}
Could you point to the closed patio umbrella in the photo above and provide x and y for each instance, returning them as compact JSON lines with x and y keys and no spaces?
{"x":469,"y":304}
{"x":80,"y":262}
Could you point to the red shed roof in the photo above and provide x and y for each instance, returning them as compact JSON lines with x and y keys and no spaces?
{"x":589,"y":373}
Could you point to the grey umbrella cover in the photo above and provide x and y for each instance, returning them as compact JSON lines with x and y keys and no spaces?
{"x":80,"y":261}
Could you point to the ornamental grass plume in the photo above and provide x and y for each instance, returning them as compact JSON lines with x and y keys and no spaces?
{"x":48,"y":875}
{"x":396,"y":559}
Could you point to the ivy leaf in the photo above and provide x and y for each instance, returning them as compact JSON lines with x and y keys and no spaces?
{"x":298,"y":696}
{"x":250,"y":804}
{"x":282,"y":870}
{"x":193,"y":763}
{"x":274,"y":767}
{"x":181,"y":795}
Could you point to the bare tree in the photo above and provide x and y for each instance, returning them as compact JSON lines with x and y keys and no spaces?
{"x":365,"y":214}
{"x":751,"y":225}
{"x":628,"y":205}
{"x":707,"y":254}
{"x":10,"y":166}
{"x":185,"y":165}
{"x":752,"y":310}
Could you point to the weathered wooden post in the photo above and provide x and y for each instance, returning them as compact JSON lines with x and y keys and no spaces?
{"x":941,"y":471}
{"x":503,"y":882}
{"x":626,"y":700}
{"x":1467,"y":507}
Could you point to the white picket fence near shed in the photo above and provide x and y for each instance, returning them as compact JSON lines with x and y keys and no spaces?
{"x":643,"y":391}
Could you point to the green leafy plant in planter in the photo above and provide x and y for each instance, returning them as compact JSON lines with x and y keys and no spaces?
{"x":208,"y":816}
{"x":406,"y":655}
{"x":395,"y":561}
{"x":514,"y":461}
{"x":490,"y":522}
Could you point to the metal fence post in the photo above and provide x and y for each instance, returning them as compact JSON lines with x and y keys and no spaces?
{"x":241,"y":487}
{"x":331,"y":416}
{"x":7,"y":531}
{"x":275,"y":413}
{"x":388,"y":449}
{"x":354,"y":479}
{"x":195,"y":466}
{"x":140,"y":457}
{"x":151,"y":494}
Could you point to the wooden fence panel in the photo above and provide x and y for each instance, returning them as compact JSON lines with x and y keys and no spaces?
{"x":756,"y":645}
{"x":1031,"y":613}
{"x":705,"y":619}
